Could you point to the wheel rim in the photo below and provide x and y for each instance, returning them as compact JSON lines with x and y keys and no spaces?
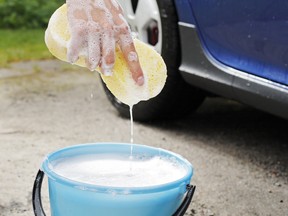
{"x":144,"y":19}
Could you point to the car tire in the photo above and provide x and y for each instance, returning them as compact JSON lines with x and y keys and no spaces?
{"x":177,"y":97}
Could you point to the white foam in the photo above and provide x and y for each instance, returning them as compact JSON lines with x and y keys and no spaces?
{"x":132,"y":57}
{"x":89,"y":31}
{"x":115,"y":4}
{"x":115,"y":171}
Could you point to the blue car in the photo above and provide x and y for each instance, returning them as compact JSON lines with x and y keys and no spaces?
{"x":234,"y":49}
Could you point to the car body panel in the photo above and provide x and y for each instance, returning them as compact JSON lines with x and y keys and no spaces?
{"x":250,"y":36}
{"x":200,"y":68}
{"x":184,"y":10}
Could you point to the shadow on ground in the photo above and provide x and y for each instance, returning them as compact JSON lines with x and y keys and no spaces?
{"x":251,"y":135}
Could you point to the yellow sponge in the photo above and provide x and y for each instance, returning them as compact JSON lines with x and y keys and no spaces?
{"x":121,"y":84}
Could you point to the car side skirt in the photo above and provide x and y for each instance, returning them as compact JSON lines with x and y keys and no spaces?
{"x":200,"y":69}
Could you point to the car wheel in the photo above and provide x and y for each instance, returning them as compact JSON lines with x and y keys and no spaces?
{"x":155,"y":22}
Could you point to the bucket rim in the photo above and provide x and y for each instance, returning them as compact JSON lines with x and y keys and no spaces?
{"x":183,"y":181}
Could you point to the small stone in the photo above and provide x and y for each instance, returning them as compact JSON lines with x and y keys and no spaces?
{"x":278,"y":184}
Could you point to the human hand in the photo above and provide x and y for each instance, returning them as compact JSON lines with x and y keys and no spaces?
{"x":96,"y":26}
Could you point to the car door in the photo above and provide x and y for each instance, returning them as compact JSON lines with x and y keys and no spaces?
{"x":248,"y":35}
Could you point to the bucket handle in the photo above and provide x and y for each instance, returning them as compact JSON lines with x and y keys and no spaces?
{"x":185,"y":204}
{"x":36,"y":195}
{"x":38,"y":208}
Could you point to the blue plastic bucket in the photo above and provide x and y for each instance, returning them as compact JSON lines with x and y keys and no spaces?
{"x":72,"y":198}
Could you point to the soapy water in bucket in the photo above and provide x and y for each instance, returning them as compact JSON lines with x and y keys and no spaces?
{"x":96,"y":179}
{"x":119,"y":171}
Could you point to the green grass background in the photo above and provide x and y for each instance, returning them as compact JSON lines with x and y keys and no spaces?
{"x":22,"y":45}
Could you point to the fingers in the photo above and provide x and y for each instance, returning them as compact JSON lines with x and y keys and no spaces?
{"x":128,"y":49}
{"x":74,"y":46}
{"x":131,"y":56}
{"x":95,"y":26}
{"x":108,"y":53}
{"x":93,"y":58}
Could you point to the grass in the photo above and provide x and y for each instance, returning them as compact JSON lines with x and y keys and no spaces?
{"x":22,"y":45}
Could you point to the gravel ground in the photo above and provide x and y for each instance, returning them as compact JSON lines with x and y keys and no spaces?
{"x":240,"y":155}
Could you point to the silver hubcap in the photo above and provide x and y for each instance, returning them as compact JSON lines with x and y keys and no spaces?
{"x":144,"y":19}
